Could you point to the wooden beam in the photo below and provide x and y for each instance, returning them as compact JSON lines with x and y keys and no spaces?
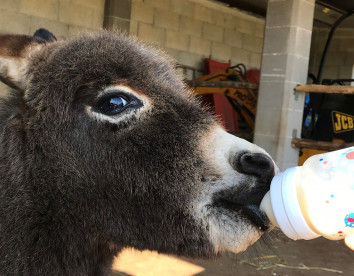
{"x":318,"y":145}
{"x":332,"y":89}
{"x":230,"y":84}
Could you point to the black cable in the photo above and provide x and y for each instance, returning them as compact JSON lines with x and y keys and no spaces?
{"x":328,"y":42}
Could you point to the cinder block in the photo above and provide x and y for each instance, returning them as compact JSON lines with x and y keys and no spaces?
{"x":346,"y":45}
{"x":343,"y":33}
{"x":245,"y":26}
{"x":287,"y":156}
{"x":221,"y":51}
{"x":118,"y":8}
{"x":346,"y":71}
{"x":296,"y":68}
{"x":270,"y":119}
{"x":14,"y":22}
{"x":45,"y":9}
{"x":334,"y":46}
{"x":212,"y":32}
{"x":75,"y":14}
{"x":259,"y":29}
{"x":233,"y":38}
{"x":304,"y":16}
{"x":59,"y":29}
{"x":255,"y":60}
{"x":349,"y":59}
{"x":274,"y":96}
{"x":93,"y":4}
{"x":151,"y":34}
{"x":280,"y":13}
{"x":336,"y":58}
{"x":176,"y":40}
{"x":133,"y":28}
{"x":77,"y":30}
{"x":296,"y":45}
{"x":190,"y":59}
{"x":276,"y":40}
{"x":251,"y":43}
{"x":203,"y":13}
{"x":268,"y":141}
{"x":191,"y":26}
{"x":163,"y":4}
{"x":283,"y":40}
{"x":322,"y":34}
{"x":223,"y":19}
{"x":142,"y":12}
{"x":183,"y":7}
{"x":330,"y":72}
{"x":291,"y":117}
{"x":239,"y":55}
{"x":166,"y":19}
{"x":200,"y":46}
{"x":13,"y":5}
{"x":117,"y":24}
{"x":97,"y":19}
{"x":273,"y":67}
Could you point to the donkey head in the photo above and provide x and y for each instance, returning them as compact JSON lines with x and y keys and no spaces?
{"x":116,"y":152}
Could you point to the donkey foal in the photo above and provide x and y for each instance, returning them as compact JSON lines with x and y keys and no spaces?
{"x":104,"y":147}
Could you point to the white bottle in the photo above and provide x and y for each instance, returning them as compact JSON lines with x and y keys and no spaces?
{"x":316,"y":199}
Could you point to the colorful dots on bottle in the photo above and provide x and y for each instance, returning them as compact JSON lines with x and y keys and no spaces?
{"x":328,"y":200}
{"x":349,"y":220}
{"x":350,"y":155}
{"x":323,"y":161}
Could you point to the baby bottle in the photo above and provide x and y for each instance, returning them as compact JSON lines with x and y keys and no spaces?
{"x":316,"y":199}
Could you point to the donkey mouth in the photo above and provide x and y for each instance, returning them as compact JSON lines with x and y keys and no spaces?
{"x":256,"y":216}
{"x":249,"y":211}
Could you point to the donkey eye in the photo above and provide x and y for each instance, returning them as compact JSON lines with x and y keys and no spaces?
{"x":114,"y":104}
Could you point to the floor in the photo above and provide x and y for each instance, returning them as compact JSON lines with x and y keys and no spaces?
{"x":282,"y":257}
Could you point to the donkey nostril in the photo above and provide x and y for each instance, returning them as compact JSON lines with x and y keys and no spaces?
{"x":257,"y":164}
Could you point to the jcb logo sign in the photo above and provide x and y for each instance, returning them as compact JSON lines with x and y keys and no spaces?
{"x":342,"y":122}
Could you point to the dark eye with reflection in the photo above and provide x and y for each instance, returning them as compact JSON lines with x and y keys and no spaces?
{"x":115,"y":103}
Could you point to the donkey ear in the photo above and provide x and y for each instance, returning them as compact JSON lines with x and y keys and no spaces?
{"x":15,"y":52}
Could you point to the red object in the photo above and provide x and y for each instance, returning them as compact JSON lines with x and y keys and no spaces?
{"x":223,"y":109}
{"x":253,"y":75}
{"x":213,"y":66}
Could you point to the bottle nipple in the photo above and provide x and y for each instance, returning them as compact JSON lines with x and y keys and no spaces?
{"x":266,"y":207}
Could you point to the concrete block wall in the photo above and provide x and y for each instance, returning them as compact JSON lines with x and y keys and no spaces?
{"x":191,"y":30}
{"x":62,"y":17}
{"x":340,"y":56}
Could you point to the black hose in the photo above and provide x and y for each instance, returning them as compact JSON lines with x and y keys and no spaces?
{"x":328,"y":42}
{"x":241,"y":68}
